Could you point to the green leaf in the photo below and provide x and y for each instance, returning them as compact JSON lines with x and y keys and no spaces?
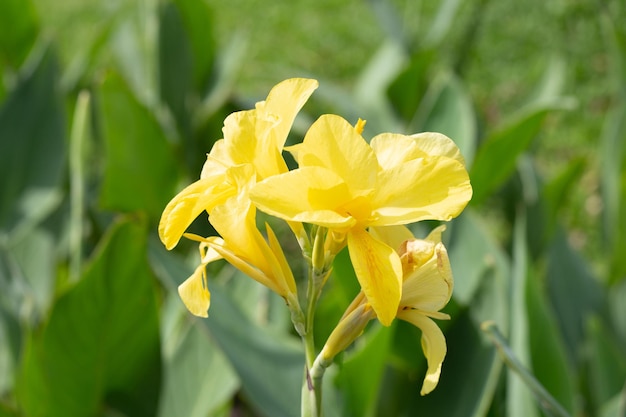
{"x":574,"y":293}
{"x":100,"y":347}
{"x":407,"y":90}
{"x":32,"y":149}
{"x":34,"y":263}
{"x":361,"y":373}
{"x":19,"y":28}
{"x":473,"y":253}
{"x":496,"y":158}
{"x":10,"y":346}
{"x":447,"y":109}
{"x":607,"y":363}
{"x":519,"y":398}
{"x":441,"y":24}
{"x":134,"y":45}
{"x":198,"y":379}
{"x":140,"y":172}
{"x":269,"y":364}
{"x":547,"y":350}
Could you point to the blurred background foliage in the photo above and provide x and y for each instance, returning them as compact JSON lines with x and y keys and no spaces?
{"x":107,"y":109}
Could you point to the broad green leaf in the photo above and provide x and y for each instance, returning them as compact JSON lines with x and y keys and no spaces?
{"x":615,"y":407}
{"x":617,"y":309}
{"x":613,"y":153}
{"x":32,"y":149}
{"x":607,"y":363}
{"x":10,"y":347}
{"x":560,"y":187}
{"x":175,"y":66}
{"x":447,"y":109}
{"x":473,"y":252}
{"x":361,"y":373}
{"x":268,"y":363}
{"x":407,"y":90}
{"x":19,"y":27}
{"x":34,"y":264}
{"x":519,"y":397}
{"x":134,"y":45}
{"x":100,"y":346}
{"x":496,"y":158}
{"x":141,"y":172}
{"x":442,"y":23}
{"x":197,"y":19}
{"x":370,"y":90}
{"x":574,"y":293}
{"x":198,"y":380}
{"x":547,"y":350}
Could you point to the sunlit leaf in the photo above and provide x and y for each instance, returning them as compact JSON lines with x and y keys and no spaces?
{"x":100,"y":346}
{"x":496,"y":157}
{"x":447,"y":109}
{"x":269,"y":364}
{"x":197,"y":377}
{"x":19,"y":27}
{"x":32,"y":149}
{"x":140,"y":172}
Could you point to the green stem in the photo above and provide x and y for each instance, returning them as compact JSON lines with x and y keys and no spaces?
{"x":312,"y":386}
{"x":546,"y":401}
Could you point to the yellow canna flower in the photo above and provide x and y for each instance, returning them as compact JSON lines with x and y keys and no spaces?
{"x":347,"y":185}
{"x":251,"y":150}
{"x":426,"y":289}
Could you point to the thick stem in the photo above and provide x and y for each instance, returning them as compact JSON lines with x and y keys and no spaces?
{"x":312,"y":386}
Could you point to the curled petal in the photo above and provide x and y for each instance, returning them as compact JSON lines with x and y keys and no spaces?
{"x":379,"y":271}
{"x":279,"y":110}
{"x":428,"y":286}
{"x":202,"y":195}
{"x":433,"y":345}
{"x":195,"y":293}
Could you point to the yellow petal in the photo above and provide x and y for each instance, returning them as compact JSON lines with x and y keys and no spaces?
{"x":234,"y":257}
{"x":247,"y":143}
{"x":278,"y":111}
{"x":392,"y":235}
{"x":308,"y":195}
{"x":433,"y":345}
{"x":288,"y":282}
{"x":394,"y":149}
{"x":218,"y":160}
{"x":433,"y":188}
{"x":333,"y":143}
{"x":436,"y":144}
{"x":235,"y":222}
{"x":195,"y":294}
{"x":429,"y":286}
{"x":379,"y":271}
{"x":202,"y":195}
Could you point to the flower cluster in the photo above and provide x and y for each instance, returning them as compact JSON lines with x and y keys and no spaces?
{"x":352,"y":193}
